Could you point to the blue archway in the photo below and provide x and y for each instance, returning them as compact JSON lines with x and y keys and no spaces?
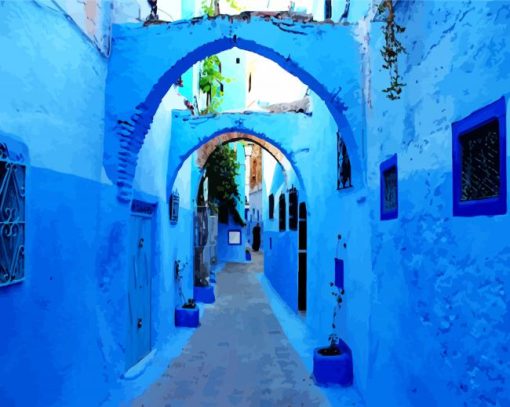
{"x":147,"y":61}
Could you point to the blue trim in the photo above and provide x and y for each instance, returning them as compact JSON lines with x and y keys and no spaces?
{"x":339,"y":273}
{"x":385,"y":166}
{"x":489,"y":206}
{"x":240,"y":237}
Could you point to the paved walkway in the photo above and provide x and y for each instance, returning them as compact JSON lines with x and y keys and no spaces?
{"x":238,"y":357}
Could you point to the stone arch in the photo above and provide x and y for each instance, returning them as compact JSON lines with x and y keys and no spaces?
{"x":189,"y":133}
{"x":141,"y":72}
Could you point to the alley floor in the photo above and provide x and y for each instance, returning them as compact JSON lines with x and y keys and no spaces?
{"x":239,"y":355}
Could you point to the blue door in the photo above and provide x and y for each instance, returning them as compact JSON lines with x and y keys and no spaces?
{"x":139,"y":294}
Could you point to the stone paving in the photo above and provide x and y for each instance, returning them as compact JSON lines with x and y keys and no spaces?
{"x":239,"y":356}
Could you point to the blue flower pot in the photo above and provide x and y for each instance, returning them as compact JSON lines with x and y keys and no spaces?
{"x":204,"y":294}
{"x":335,"y":369}
{"x":187,"y":317}
{"x":248,"y":256}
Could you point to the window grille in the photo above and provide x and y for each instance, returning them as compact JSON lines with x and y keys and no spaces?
{"x":174,"y":208}
{"x":389,"y":189}
{"x":282,"y":213}
{"x":12,"y":215}
{"x":479,"y":162}
{"x":480,"y":176}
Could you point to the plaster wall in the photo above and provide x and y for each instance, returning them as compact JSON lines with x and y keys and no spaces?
{"x":53,"y":84}
{"x":439,"y":325}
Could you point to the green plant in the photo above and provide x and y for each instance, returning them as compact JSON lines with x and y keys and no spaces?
{"x":221,"y":170}
{"x":210,"y":81}
{"x":391,"y":50}
{"x":211,"y":7}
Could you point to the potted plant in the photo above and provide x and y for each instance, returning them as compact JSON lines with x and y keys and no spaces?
{"x":203,"y":291}
{"x":188,"y":314}
{"x":247,"y":255}
{"x":333,"y":364}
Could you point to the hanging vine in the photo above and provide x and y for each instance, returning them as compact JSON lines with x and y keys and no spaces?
{"x":391,"y":50}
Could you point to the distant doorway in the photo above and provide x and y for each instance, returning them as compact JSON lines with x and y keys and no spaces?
{"x":302,"y":257}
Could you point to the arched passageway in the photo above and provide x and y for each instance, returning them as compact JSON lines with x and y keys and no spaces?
{"x":144,"y":72}
{"x":279,"y":245}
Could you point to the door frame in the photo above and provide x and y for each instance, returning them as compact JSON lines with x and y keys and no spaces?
{"x":146,"y":207}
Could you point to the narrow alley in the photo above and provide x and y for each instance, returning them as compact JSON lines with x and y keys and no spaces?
{"x":232,"y":362}
{"x":254,"y":203}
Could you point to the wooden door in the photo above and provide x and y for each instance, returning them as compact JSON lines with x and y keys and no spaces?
{"x":302,"y":257}
{"x":139,"y":294}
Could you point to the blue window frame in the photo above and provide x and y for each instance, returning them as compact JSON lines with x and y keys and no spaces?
{"x":389,"y":188}
{"x":479,"y":162}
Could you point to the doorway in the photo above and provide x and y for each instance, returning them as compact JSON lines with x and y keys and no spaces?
{"x":139,"y":289}
{"x":302,"y":258}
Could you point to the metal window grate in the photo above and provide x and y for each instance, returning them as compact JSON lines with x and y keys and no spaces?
{"x":390,"y":201}
{"x":480,"y":162}
{"x":174,"y":208}
{"x":12,"y":217}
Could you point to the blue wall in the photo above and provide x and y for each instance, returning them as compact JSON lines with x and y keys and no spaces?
{"x":440,"y":281}
{"x":426,"y":281}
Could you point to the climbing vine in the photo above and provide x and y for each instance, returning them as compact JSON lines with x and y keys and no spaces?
{"x":221,"y":170}
{"x":391,"y":50}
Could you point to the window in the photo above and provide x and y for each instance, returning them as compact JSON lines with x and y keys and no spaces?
{"x":478,"y":159}
{"x":293,"y":208}
{"x":328,"y":11}
{"x":271,"y":206}
{"x":343,"y":179}
{"x":282,"y":213}
{"x":174,"y":208}
{"x":12,"y":211}
{"x":234,"y":237}
{"x":389,"y":189}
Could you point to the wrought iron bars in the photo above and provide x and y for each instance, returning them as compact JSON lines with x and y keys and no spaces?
{"x":12,"y":216}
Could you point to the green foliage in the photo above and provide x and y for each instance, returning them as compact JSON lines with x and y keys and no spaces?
{"x":222,"y":169}
{"x":209,"y":7}
{"x":391,"y":50}
{"x":210,"y":80}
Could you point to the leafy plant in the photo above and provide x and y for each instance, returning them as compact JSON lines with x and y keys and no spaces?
{"x":391,"y":50}
{"x":222,"y":169}
{"x":212,"y":8}
{"x":210,"y":82}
